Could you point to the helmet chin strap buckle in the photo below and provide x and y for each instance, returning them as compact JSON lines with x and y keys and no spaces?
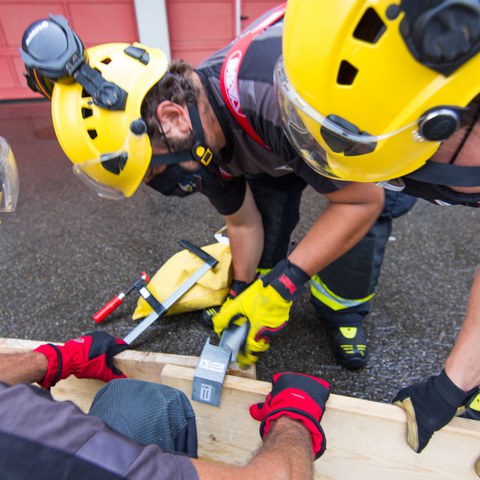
{"x":202,"y":154}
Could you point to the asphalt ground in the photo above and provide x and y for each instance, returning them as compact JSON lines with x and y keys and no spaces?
{"x":65,"y":252}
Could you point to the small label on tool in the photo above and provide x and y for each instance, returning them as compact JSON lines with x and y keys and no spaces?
{"x":205,"y":393}
{"x":212,"y":366}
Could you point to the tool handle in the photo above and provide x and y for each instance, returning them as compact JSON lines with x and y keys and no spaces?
{"x":108,"y":308}
{"x":207,"y":258}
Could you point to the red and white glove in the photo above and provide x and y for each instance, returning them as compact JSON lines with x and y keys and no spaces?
{"x":300,"y":397}
{"x":89,"y":356}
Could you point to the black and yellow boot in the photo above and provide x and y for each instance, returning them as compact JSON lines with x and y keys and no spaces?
{"x":349,"y":341}
{"x":350,"y":346}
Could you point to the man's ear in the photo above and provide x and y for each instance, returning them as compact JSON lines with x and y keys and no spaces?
{"x":173,"y":117}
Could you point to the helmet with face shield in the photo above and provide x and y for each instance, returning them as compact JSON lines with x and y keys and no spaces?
{"x":8,"y":178}
{"x":368,"y":89}
{"x":110,"y":149}
{"x":96,"y":97}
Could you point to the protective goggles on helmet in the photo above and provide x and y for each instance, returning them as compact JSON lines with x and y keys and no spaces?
{"x":116,"y":175}
{"x":8,"y":178}
{"x":340,"y":148}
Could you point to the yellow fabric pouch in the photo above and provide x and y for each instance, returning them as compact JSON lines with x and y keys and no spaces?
{"x":210,"y":291}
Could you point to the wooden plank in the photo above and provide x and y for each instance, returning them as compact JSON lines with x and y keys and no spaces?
{"x":137,"y":364}
{"x":365,"y":440}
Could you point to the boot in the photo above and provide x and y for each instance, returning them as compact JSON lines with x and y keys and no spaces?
{"x":350,"y":346}
{"x":349,"y":341}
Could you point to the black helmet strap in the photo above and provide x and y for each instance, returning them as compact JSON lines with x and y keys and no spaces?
{"x":447,"y":175}
{"x":199,"y":152}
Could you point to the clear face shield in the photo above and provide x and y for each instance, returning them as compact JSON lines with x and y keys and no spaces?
{"x":117,"y":175}
{"x":9,"y":185}
{"x":341,"y":150}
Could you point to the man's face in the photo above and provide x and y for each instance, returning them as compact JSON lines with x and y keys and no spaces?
{"x":469,"y":154}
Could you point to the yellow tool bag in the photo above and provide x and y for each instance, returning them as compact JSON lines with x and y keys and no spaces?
{"x":210,"y":291}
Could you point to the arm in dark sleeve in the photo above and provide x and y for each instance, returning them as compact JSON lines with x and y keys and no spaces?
{"x":318,"y":182}
{"x":226,"y":195}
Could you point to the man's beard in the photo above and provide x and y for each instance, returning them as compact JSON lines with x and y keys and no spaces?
{"x":182,"y":144}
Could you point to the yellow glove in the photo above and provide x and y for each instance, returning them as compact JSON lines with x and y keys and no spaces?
{"x":265,"y":305}
{"x":236,"y":288}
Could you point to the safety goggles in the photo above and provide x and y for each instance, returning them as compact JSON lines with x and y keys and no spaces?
{"x":9,"y":185}
{"x":337,"y":141}
{"x":117,"y":175}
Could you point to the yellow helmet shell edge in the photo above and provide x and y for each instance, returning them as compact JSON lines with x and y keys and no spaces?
{"x":347,"y":58}
{"x":87,"y":132}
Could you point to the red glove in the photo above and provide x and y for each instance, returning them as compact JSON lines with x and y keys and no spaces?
{"x":89,"y":356}
{"x":300,"y":397}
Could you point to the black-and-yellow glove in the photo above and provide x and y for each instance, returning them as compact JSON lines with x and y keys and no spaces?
{"x":430,"y":406}
{"x":265,"y":305}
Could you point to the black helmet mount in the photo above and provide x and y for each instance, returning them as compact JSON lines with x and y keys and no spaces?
{"x":52,"y":51}
{"x":441,"y":34}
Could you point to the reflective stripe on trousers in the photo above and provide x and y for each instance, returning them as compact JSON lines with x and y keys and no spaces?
{"x":321,"y":292}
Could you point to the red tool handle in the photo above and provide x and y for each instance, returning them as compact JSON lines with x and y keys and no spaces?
{"x":108,"y":308}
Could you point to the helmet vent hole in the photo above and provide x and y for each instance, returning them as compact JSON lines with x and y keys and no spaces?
{"x":346,"y":73}
{"x":106,"y":61}
{"x":370,"y":28}
{"x":87,"y":112}
{"x":92,"y":134}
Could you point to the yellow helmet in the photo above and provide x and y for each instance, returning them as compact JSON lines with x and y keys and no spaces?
{"x":109,"y":148}
{"x":368,"y":89}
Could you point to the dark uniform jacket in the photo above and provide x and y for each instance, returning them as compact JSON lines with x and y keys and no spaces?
{"x":43,"y":439}
{"x":243,"y":155}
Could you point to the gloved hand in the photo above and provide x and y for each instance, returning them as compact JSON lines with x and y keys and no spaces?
{"x":265,"y":305}
{"x":472,"y":406}
{"x":236,"y":288}
{"x":430,"y":406}
{"x":300,"y":397}
{"x":89,"y":356}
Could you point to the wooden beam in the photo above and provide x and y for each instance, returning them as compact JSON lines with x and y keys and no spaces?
{"x":365,"y":440}
{"x":133,"y":362}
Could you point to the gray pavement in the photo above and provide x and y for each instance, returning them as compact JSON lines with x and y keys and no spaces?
{"x":65,"y":252}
